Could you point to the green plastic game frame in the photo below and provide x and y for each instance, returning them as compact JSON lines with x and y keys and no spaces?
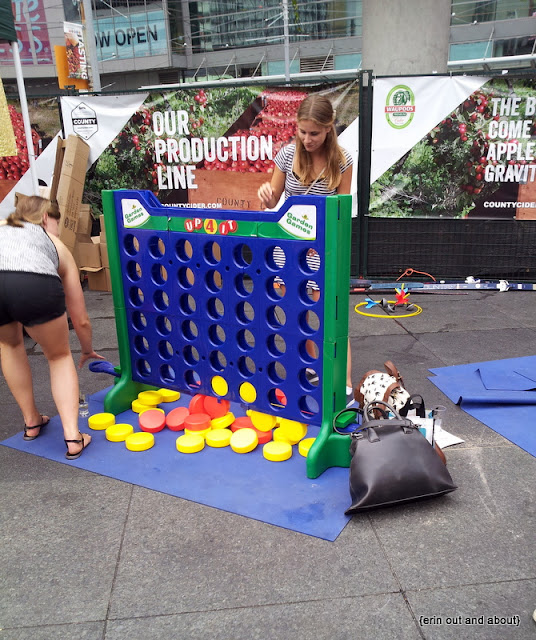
{"x":330,"y":449}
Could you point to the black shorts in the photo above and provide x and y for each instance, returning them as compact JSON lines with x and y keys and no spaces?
{"x":30,"y":298}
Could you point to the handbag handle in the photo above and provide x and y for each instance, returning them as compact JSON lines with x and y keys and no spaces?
{"x":355,"y":410}
{"x":373,"y":404}
{"x":415,"y":401}
{"x":371,"y":422}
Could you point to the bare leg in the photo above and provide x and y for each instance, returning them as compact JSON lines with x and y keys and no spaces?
{"x":53,"y":337}
{"x":18,"y":375}
{"x":349,"y":367}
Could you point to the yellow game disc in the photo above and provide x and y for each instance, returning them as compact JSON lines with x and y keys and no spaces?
{"x":219,"y":438}
{"x":261,"y":421}
{"x":190,"y":443}
{"x":168,"y":395}
{"x":139,"y":407}
{"x":294,"y":431}
{"x":220,"y":386}
{"x":203,"y":432}
{"x":305,"y":445}
{"x":277,"y":451}
{"x":244,"y":440}
{"x":118,"y":432}
{"x":100,"y":421}
{"x":225,"y":421}
{"x":150,"y":397}
{"x":278,"y":435}
{"x":139,"y":441}
{"x":247,"y":392}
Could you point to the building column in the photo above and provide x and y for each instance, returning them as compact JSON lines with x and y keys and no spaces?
{"x":406,"y":37}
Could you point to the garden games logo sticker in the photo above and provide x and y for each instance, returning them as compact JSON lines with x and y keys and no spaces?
{"x":400,"y":106}
{"x":134,"y":213}
{"x":300,"y":221}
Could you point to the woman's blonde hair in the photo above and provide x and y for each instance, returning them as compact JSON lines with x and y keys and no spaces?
{"x":32,"y":209}
{"x":320,"y":110}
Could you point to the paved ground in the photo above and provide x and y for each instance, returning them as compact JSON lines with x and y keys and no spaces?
{"x":86,"y":557}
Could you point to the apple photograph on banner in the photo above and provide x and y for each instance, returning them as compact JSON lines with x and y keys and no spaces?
{"x":203,"y":148}
{"x":453,"y":147}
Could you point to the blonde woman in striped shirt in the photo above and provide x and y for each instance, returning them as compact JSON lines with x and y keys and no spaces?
{"x":316,"y":165}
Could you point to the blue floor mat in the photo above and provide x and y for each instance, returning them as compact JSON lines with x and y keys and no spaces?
{"x":499,"y":393}
{"x":277,"y":493}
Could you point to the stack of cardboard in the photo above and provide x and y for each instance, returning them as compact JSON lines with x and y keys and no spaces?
{"x":67,"y":187}
{"x":93,"y":259}
{"x":76,"y":221}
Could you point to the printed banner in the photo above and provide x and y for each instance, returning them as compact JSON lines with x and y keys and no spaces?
{"x":201,"y":148}
{"x":8,"y":145}
{"x":454,"y":147}
{"x":14,"y":174}
{"x":76,"y":51}
{"x":32,"y":36}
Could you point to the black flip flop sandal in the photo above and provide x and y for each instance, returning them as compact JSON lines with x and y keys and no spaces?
{"x":40,"y":426}
{"x":74,"y":456}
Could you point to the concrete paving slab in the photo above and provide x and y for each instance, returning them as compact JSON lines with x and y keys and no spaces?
{"x":378,"y":617}
{"x":179,"y":557}
{"x":481,"y":533}
{"x":479,"y":346}
{"x":60,"y":536}
{"x":81,"y":631}
{"x":496,"y":611}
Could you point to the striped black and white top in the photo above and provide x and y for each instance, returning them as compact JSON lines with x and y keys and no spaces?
{"x":284,"y":160}
{"x":27,"y":249}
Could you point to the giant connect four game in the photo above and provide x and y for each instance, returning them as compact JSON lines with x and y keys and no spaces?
{"x":225,"y":303}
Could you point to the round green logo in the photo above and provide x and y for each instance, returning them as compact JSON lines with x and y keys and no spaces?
{"x":400,"y":106}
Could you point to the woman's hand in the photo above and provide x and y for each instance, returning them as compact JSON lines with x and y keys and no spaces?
{"x":92,"y":355}
{"x":266,"y":195}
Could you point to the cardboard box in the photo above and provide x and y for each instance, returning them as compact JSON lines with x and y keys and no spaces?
{"x":104,"y":254}
{"x":89,"y":255}
{"x":68,"y":184}
{"x":98,"y":279}
{"x":85,"y":221}
{"x":102,"y":229}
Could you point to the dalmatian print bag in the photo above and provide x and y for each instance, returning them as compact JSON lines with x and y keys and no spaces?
{"x":385,"y":386}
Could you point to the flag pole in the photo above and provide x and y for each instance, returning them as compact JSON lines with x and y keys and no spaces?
{"x":25,"y":117}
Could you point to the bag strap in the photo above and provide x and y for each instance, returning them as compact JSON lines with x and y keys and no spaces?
{"x":358,"y":395}
{"x":412,"y":403}
{"x":315,"y":181}
{"x":392,"y":370}
{"x":373,"y":404}
{"x":355,"y":410}
{"x":390,"y":389}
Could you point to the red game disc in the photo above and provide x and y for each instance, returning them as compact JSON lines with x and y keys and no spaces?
{"x":152,"y":420}
{"x":175,"y":418}
{"x":244,"y":422}
{"x":197,"y":403}
{"x":216,"y":408}
{"x":197,"y":422}
{"x":263,"y":436}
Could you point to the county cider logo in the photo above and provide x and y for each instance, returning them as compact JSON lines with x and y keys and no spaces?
{"x":400,"y":106}
{"x":84,"y":121}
